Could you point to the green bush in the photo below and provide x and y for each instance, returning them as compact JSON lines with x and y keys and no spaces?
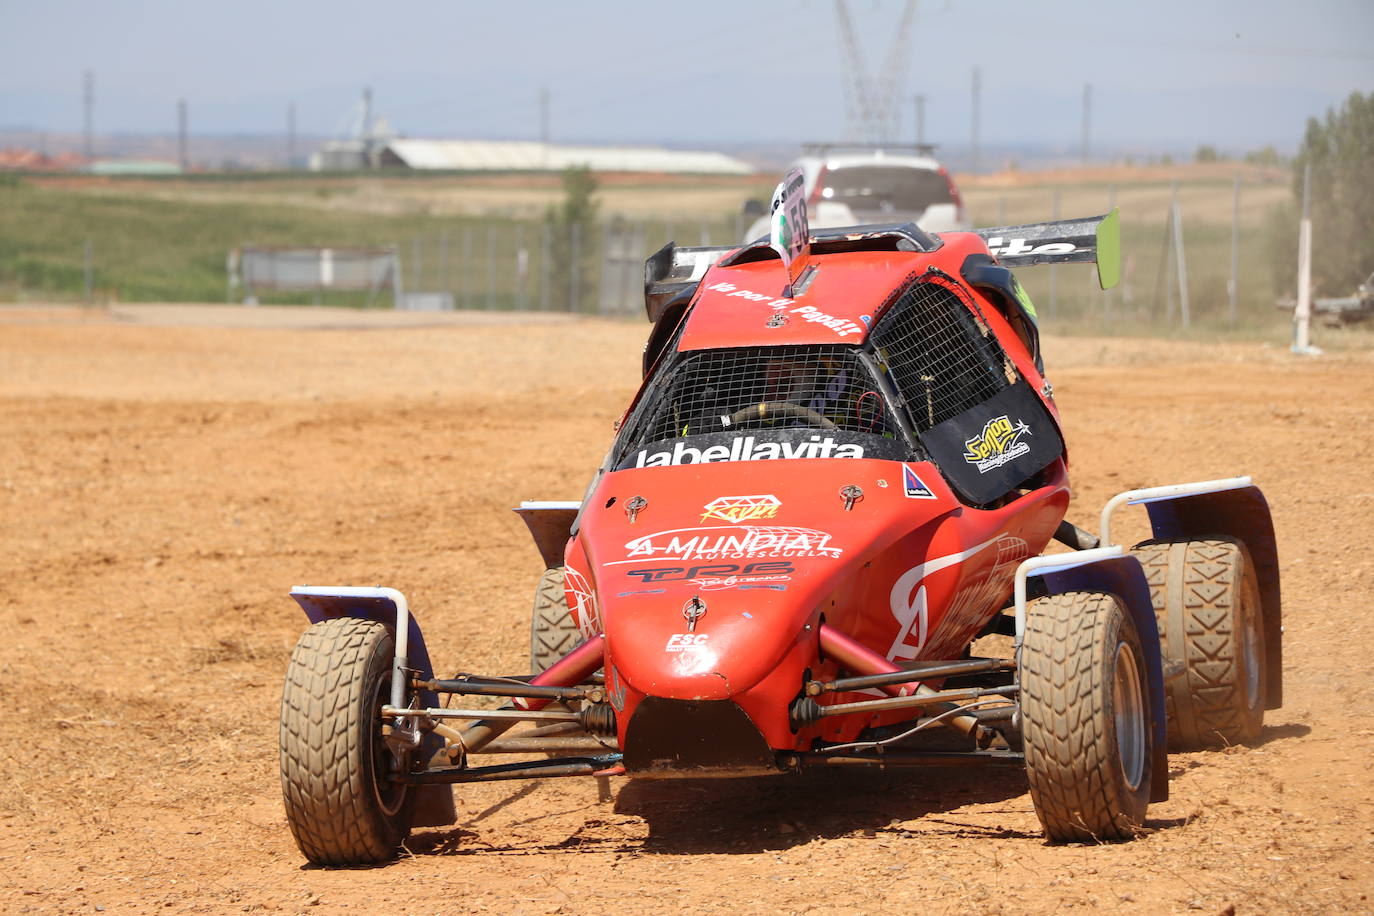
{"x":573,"y":248}
{"x":1340,"y":151}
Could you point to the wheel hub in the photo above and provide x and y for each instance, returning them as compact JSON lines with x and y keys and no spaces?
{"x":1129,"y":715}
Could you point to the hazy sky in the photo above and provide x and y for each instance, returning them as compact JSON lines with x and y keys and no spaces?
{"x":1164,"y":72}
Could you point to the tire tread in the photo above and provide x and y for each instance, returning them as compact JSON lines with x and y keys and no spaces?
{"x":552,"y":631}
{"x":325,"y":779}
{"x":1067,"y":722}
{"x":1195,"y":587}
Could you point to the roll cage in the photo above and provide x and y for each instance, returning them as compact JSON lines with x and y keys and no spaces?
{"x":930,"y":382}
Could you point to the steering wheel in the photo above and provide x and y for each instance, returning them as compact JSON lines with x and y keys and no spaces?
{"x":768,"y":410}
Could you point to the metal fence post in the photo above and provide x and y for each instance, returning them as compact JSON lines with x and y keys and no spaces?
{"x":415,"y":264}
{"x":231,"y":275}
{"x":575,"y":271}
{"x":625,"y":252}
{"x":1110,"y":294}
{"x":1231,"y":287}
{"x":545,"y":245}
{"x":443,"y":261}
{"x":1054,"y":285}
{"x":522,"y":260}
{"x":1181,"y":261}
{"x":491,"y":265}
{"x":88,"y":270}
{"x":603,"y":290}
{"x":465,"y":269}
{"x":1167,"y":266}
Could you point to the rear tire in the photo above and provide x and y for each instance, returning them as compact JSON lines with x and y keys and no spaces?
{"x":342,"y":808}
{"x":552,"y":631}
{"x":1206,"y":599}
{"x":1085,"y":718}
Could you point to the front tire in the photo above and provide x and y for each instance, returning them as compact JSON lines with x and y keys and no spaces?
{"x":342,"y":807}
{"x":1085,"y":718}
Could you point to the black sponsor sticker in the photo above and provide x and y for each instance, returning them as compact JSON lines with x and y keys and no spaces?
{"x":711,"y":571}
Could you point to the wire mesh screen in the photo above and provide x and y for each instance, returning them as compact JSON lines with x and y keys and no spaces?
{"x":942,"y":358}
{"x":821,"y":387}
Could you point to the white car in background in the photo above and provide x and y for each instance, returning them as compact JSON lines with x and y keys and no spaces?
{"x":856,"y":186}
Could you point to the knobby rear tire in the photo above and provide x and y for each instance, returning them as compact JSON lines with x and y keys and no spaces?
{"x":1085,"y":718}
{"x":341,"y":807}
{"x":1206,"y":599}
{"x":553,"y":634}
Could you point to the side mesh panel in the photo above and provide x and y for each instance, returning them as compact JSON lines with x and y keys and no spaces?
{"x":942,"y":358}
{"x":758,"y":389}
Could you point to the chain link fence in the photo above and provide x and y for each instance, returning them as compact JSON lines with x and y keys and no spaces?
{"x":1199,"y":256}
{"x":512,"y":265}
{"x":1196,"y":257}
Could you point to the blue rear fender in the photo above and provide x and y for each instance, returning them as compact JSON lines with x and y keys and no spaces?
{"x":1234,"y":509}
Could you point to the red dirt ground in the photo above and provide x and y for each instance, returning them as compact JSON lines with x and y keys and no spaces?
{"x":163,"y":487}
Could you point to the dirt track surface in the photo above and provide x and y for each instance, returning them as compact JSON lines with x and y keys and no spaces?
{"x":162,"y":488}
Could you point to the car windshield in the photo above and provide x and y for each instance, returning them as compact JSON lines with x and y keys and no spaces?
{"x":885,"y":189}
{"x":824,"y":389}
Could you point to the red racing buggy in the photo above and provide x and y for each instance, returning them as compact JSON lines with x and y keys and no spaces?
{"x":844,"y":466}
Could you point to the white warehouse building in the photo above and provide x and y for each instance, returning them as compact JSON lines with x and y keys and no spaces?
{"x":521,"y":156}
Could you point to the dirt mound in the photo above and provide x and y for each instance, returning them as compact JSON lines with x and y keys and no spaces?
{"x":163,"y":487}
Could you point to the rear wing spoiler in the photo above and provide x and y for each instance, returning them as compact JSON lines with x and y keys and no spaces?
{"x":672,"y":270}
{"x":1094,"y":239}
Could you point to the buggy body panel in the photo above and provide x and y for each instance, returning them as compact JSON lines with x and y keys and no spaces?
{"x":767,"y":568}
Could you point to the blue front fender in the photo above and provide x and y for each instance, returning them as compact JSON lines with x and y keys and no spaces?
{"x":1122,"y":576}
{"x":434,"y":803}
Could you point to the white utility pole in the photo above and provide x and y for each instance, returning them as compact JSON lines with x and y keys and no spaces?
{"x":1302,"y":315}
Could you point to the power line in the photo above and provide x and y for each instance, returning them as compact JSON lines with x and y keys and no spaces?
{"x":183,"y":157}
{"x":630,"y":70}
{"x":291,"y":136}
{"x":1087,"y":119}
{"x":973,"y":121}
{"x":88,"y":113}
